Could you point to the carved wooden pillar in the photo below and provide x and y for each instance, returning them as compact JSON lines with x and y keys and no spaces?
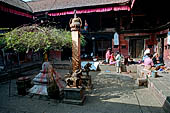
{"x":75,"y":24}
{"x":76,"y":61}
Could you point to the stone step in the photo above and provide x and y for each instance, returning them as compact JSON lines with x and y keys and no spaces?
{"x":104,"y":67}
{"x":132,"y":68}
{"x":129,"y":68}
{"x":141,"y":81}
{"x":17,"y":72}
{"x":160,"y":92}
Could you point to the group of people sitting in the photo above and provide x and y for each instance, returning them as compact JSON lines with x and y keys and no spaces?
{"x":112,"y":59}
{"x":150,"y":60}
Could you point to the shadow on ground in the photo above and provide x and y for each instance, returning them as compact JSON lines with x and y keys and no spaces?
{"x":111,"y":94}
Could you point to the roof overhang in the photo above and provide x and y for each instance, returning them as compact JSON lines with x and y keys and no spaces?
{"x":4,"y":8}
{"x":91,"y":10}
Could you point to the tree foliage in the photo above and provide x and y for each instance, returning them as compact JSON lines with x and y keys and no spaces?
{"x":38,"y":38}
{"x":2,"y":41}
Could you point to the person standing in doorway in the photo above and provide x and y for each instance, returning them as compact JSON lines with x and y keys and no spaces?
{"x":118,"y":62}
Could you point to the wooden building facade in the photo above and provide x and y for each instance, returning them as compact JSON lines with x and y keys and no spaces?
{"x":104,"y":18}
{"x":13,"y":13}
{"x":140,"y":24}
{"x":137,"y":22}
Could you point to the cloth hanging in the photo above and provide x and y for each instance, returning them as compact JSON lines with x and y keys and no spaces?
{"x":116,"y":38}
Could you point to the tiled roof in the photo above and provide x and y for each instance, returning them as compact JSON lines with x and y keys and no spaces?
{"x":46,"y":5}
{"x":18,"y":3}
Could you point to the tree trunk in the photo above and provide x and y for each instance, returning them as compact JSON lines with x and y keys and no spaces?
{"x":45,"y":57}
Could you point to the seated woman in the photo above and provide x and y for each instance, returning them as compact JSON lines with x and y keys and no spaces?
{"x":128,"y":61}
{"x":148,"y":63}
{"x":157,"y":60}
{"x":112,"y":59}
{"x":145,"y":56}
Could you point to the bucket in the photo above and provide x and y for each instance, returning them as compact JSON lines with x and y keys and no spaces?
{"x":154,"y":74}
{"x":27,"y":81}
{"x":23,"y":83}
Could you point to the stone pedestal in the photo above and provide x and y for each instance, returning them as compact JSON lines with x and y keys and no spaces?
{"x":141,"y":81}
{"x":74,"y":96}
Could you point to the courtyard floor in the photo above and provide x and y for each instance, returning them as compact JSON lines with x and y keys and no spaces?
{"x":111,"y":93}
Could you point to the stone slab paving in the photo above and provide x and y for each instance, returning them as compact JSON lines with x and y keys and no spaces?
{"x":112,"y":93}
{"x":160,"y":87}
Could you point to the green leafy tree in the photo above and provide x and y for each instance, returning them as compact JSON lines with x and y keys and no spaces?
{"x":2,"y":42}
{"x":38,"y":38}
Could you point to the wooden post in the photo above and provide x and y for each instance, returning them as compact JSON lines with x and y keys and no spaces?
{"x":75,"y":24}
{"x":76,"y":61}
{"x":75,"y":95}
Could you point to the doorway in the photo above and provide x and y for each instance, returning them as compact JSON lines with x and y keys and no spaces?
{"x":161,"y":48}
{"x":136,"y":47}
{"x":101,"y":46}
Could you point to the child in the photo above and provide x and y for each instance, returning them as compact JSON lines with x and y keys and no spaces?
{"x":118,"y":62}
{"x":112,"y":58}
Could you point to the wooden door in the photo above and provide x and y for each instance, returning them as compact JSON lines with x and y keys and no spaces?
{"x":136,"y":47}
{"x":139,"y":48}
{"x":101,"y":47}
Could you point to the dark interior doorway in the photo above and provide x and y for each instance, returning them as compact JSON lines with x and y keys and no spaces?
{"x":101,"y":46}
{"x":161,"y":48}
{"x":136,"y":47}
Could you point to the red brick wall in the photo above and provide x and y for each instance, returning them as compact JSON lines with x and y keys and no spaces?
{"x":166,"y":48}
{"x":166,"y":53}
{"x":152,"y":41}
{"x":122,"y":42}
{"x":56,"y":55}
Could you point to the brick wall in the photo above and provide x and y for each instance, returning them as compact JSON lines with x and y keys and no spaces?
{"x":166,"y":53}
{"x":151,"y":42}
{"x":56,"y":55}
{"x":123,"y":46}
